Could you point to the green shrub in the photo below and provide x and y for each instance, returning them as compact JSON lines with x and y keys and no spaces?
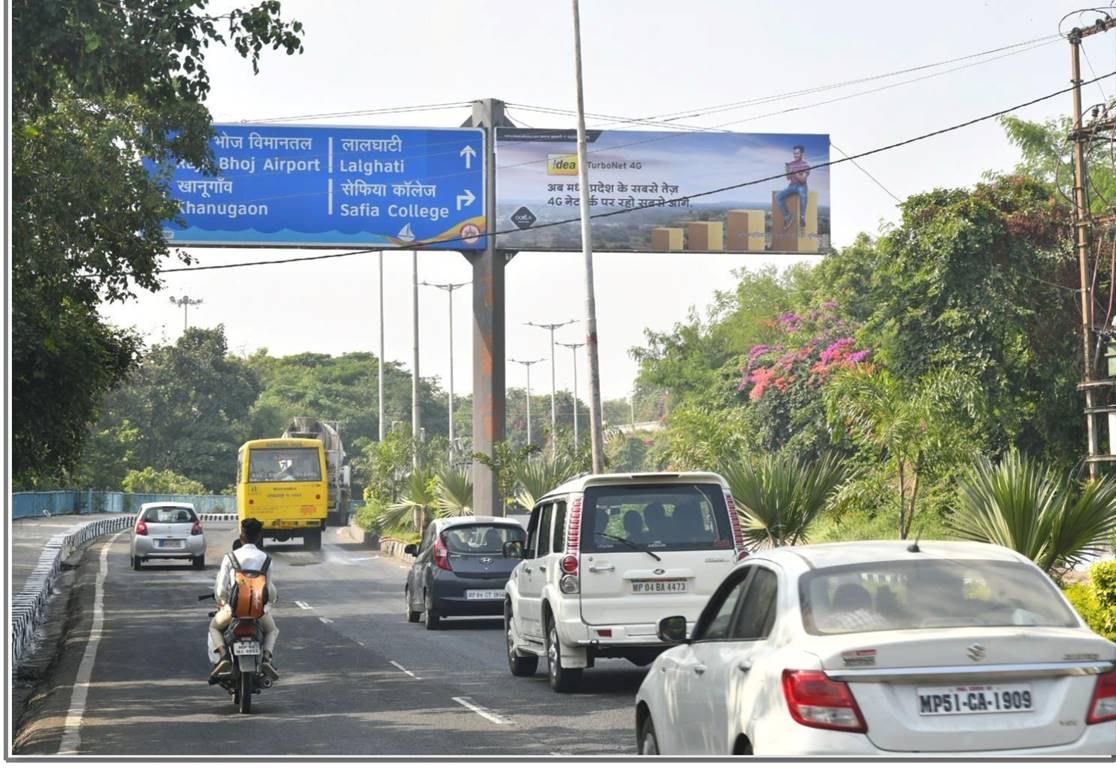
{"x":367,"y":517}
{"x":1103,"y":576}
{"x":1085,"y":601}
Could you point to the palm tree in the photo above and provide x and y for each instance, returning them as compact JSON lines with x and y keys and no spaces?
{"x":539,"y":475}
{"x":417,"y":502}
{"x":1023,"y":505}
{"x":910,"y":426}
{"x":778,"y":498}
{"x":454,"y":490}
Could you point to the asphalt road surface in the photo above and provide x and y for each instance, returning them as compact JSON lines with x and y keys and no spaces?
{"x":357,"y":679}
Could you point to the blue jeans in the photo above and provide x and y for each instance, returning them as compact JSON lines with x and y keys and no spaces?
{"x":794,"y":188}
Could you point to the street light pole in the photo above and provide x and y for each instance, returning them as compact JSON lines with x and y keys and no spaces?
{"x":415,"y":415}
{"x":528,"y":364}
{"x":380,"y":363}
{"x":185,"y":303}
{"x":587,"y":253}
{"x":449,"y":288}
{"x":553,"y":399}
{"x":573,"y":349}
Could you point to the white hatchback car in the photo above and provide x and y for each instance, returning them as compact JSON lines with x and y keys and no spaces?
{"x":606,"y":557}
{"x":886,"y":649}
{"x":168,"y":530}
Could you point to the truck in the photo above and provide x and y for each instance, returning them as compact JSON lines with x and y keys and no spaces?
{"x":337,"y":468}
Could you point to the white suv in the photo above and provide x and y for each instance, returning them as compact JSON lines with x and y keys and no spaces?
{"x":607,"y":557}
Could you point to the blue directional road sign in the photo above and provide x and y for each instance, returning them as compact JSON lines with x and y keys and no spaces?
{"x":330,"y":186}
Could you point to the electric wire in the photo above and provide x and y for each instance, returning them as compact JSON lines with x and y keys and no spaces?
{"x":621,"y":212}
{"x":865,"y":172}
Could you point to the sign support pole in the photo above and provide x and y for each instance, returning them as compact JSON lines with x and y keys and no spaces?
{"x":489,"y":349}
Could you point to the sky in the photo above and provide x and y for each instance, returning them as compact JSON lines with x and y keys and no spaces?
{"x":641,"y":58}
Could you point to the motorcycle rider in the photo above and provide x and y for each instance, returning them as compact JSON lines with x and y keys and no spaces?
{"x":251,"y":557}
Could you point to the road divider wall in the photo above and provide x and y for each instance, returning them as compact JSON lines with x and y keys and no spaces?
{"x":394,"y":548}
{"x":29,"y":604}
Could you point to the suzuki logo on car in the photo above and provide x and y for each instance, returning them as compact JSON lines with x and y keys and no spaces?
{"x":976,"y":652}
{"x":659,"y":571}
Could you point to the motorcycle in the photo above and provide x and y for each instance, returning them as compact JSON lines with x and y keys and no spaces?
{"x":244,"y":640}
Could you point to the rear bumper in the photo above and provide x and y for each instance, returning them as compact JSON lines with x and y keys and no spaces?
{"x":1097,"y":740}
{"x":145,"y":547}
{"x":448,"y":591}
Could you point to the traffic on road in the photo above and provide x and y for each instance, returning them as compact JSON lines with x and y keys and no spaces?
{"x":658,"y":633}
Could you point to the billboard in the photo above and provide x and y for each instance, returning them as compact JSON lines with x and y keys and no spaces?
{"x":655,"y":191}
{"x":334,"y":186}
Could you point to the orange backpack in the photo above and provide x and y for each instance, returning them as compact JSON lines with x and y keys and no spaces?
{"x":248,"y":594}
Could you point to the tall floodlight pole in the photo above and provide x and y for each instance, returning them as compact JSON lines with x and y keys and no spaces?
{"x":553,"y":380}
{"x":380,"y":363}
{"x":449,"y":288}
{"x":415,"y":415}
{"x":573,"y":349}
{"x":587,"y":251}
{"x":185,"y":303}
{"x":528,"y":364}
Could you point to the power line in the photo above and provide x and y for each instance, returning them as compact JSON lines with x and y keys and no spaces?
{"x":706,"y":193}
{"x":865,"y":172}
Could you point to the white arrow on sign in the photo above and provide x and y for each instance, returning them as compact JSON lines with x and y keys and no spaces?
{"x":465,"y":200}
{"x":468,"y":153}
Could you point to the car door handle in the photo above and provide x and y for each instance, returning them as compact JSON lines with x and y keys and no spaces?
{"x":698,"y":668}
{"x":527,"y":569}
{"x":542,"y":568}
{"x":602,"y":568}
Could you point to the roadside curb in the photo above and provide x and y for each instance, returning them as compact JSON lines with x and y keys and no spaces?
{"x":394,"y":548}
{"x":29,"y":604}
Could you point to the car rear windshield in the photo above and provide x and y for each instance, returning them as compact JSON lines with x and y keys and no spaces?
{"x":904,"y":595}
{"x":481,"y":538}
{"x":267,"y":465}
{"x":169,"y":515}
{"x":682,"y":516}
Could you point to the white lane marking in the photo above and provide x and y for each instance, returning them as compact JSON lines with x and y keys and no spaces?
{"x":326,"y":620}
{"x":405,"y":568}
{"x":361,"y":643}
{"x":368,"y":558}
{"x":303,"y":605}
{"x":483,"y":712}
{"x":396,"y":664}
{"x":71,"y":735}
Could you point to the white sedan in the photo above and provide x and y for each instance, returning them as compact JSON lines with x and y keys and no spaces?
{"x":882,"y":648}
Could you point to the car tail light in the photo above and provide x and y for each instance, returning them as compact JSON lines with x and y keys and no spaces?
{"x":734,"y":524}
{"x":1103,"y":705}
{"x":141,"y":528}
{"x":569,"y":564}
{"x":244,"y":630}
{"x":814,"y":699}
{"x":196,"y":529}
{"x":441,"y":555}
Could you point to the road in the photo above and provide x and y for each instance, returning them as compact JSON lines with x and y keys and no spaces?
{"x":357,"y":679}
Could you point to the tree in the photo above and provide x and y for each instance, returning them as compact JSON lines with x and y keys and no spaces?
{"x":99,"y":85}
{"x":1021,"y":504}
{"x":152,"y":481}
{"x":915,"y":430}
{"x":778,"y":498}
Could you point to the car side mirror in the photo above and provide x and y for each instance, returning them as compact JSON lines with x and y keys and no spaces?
{"x":672,"y":629}
{"x":513,"y":549}
{"x":410,"y":549}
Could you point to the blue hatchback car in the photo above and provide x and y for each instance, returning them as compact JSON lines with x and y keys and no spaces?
{"x":460,"y":569}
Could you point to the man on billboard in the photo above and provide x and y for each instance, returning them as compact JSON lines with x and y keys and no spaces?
{"x":797,"y":172}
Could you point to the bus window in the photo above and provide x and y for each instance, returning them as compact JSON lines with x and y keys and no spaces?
{"x":293,"y":464}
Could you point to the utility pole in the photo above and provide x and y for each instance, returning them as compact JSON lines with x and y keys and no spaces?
{"x":587,"y":251}
{"x":416,"y":428}
{"x":185,"y":303}
{"x":449,"y":288}
{"x":528,"y":364}
{"x":1081,"y":224}
{"x":380,"y":363}
{"x":553,"y":379}
{"x":573,"y":348}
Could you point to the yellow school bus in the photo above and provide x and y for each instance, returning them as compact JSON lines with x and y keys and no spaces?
{"x":282,"y":483}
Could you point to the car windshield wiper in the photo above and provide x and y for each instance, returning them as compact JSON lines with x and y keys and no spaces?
{"x":630,"y":544}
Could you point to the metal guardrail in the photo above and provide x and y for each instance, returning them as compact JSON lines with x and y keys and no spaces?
{"x":29,"y":504}
{"x":28,"y":604}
